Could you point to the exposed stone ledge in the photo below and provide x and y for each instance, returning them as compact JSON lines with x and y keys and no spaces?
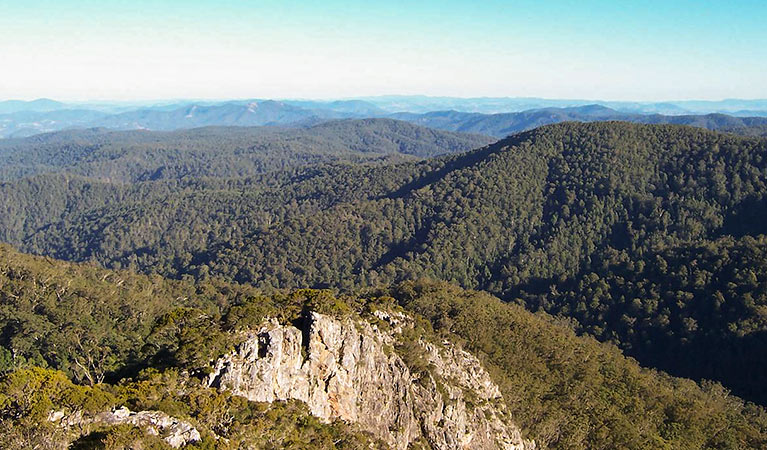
{"x":344,"y":369}
{"x":175,"y":432}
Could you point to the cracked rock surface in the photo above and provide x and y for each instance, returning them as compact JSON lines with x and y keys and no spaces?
{"x":346,"y":369}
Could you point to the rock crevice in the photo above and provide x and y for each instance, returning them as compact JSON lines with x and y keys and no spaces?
{"x":349,"y":372}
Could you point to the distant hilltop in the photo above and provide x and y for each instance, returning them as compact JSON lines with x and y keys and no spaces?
{"x":497,"y":117}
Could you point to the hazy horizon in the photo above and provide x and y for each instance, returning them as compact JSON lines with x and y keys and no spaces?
{"x":160,"y":100}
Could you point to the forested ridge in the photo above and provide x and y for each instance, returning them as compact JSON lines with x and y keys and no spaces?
{"x":493,"y":117}
{"x":504,"y":124}
{"x":145,"y":342}
{"x":649,"y":237}
{"x":128,"y":156}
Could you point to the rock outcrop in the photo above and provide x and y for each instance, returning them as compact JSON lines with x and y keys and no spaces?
{"x":347,"y":369}
{"x":175,"y":432}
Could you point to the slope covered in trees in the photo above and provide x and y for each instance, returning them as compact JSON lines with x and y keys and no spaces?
{"x":128,"y":156}
{"x":66,"y":329}
{"x":504,"y":124}
{"x":696,"y":309}
{"x":63,"y":322}
{"x":572,"y":392}
{"x":627,"y":228}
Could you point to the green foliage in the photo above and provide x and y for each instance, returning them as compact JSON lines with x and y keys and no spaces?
{"x":187,"y":337}
{"x":573,"y":392}
{"x":504,"y":124}
{"x":697,"y":310}
{"x":28,"y":396}
{"x":566,"y":391}
{"x":93,"y":324}
{"x":120,"y":437}
{"x":243,"y":423}
{"x":649,"y":237}
{"x":97,"y":325}
{"x":526,"y":219}
{"x":129,"y":156}
{"x":33,"y":393}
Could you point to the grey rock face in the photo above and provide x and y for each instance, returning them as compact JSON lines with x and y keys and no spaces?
{"x":346,"y":369}
{"x":175,"y":432}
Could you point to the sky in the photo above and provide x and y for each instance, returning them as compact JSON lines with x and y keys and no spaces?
{"x":644,"y":50}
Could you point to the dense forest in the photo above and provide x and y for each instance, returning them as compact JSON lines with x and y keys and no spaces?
{"x":128,"y":156}
{"x":646,"y":237}
{"x":503,"y":124}
{"x":81,"y":338}
{"x":625,"y":228}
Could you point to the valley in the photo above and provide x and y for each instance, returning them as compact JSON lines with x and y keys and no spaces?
{"x":614,"y":240}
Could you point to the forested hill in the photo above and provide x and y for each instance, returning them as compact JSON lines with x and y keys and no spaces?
{"x":128,"y":156}
{"x":504,"y":124}
{"x":84,"y":341}
{"x":554,"y":218}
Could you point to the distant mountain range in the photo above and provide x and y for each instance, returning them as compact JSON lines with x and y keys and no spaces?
{"x":502,"y":125}
{"x":39,"y":105}
{"x":21,"y":122}
{"x":21,"y":119}
{"x":494,"y":105}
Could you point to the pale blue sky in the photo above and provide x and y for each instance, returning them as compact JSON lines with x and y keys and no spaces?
{"x":611,"y":50}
